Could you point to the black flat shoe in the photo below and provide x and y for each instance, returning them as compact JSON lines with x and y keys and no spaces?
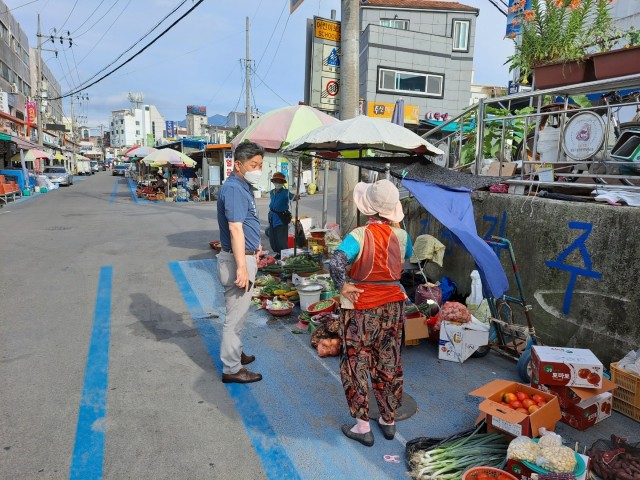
{"x":389,"y":431}
{"x":365,"y":439}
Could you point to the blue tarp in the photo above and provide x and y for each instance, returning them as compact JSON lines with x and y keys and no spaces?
{"x":453,"y":208}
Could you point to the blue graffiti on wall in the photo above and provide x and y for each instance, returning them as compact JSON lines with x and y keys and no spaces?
{"x":449,"y":239}
{"x":575,"y":272}
{"x":425,"y":222}
{"x":493,"y":223}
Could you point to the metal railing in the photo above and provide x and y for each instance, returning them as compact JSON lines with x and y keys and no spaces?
{"x":597,"y":170}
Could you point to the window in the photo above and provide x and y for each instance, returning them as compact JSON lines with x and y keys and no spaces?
{"x":394,"y":23}
{"x":137,"y":132}
{"x":415,"y":83}
{"x":460,"y":35}
{"x":137,"y":122}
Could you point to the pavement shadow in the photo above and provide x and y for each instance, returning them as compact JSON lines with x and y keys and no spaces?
{"x":159,"y":323}
{"x":194,"y":240}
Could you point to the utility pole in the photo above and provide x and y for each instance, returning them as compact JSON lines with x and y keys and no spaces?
{"x":247,"y":64}
{"x":41,"y":107}
{"x":346,"y":214}
{"x":73,"y":135}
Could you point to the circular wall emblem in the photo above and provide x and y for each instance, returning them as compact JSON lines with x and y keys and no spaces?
{"x":583,"y":136}
{"x":333,"y":88}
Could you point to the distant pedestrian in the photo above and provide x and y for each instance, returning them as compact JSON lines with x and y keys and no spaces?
{"x":238,"y":260}
{"x":372,"y":313}
{"x":279,"y":213}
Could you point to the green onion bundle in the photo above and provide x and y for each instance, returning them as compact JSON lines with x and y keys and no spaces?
{"x":450,"y":459}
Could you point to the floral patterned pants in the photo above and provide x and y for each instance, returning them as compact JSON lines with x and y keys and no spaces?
{"x":371,"y":347}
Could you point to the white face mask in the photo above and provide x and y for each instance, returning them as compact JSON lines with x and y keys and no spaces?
{"x":253,"y":177}
{"x":277,"y":186}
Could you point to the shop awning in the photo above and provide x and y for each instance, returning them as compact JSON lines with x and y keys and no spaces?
{"x":5,"y":137}
{"x":24,"y":144}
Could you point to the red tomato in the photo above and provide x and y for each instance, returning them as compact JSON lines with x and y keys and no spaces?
{"x":509,"y":397}
{"x":522,"y":410}
{"x":584,"y":372}
{"x":542,"y":404}
{"x":537,"y":398}
{"x":527,"y":402}
{"x":593,"y":379}
{"x":521,"y":396}
{"x":515,"y":404}
{"x":505,"y":404}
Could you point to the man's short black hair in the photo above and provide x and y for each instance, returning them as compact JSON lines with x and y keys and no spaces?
{"x":246,"y":150}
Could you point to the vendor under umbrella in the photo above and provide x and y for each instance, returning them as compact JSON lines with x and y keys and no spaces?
{"x":279,"y":213}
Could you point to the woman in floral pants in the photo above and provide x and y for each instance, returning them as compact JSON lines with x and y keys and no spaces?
{"x":372,"y":309}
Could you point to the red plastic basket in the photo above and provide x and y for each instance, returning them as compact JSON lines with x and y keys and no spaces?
{"x":496,"y":473}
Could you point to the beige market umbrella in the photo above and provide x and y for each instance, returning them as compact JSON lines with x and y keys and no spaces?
{"x":168,"y":156}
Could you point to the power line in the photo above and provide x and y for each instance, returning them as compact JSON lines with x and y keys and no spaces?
{"x":19,"y":6}
{"x":69,"y":16}
{"x":105,"y":32}
{"x":241,"y":88}
{"x":272,"y":33}
{"x":208,"y":102}
{"x":272,"y":91}
{"x":493,"y":2}
{"x":278,"y":47}
{"x":97,"y":21}
{"x":137,"y":41}
{"x":90,"y":15}
{"x":136,"y":54}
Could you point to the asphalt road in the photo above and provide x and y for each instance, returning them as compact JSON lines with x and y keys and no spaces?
{"x":110,"y":318}
{"x":169,"y":416}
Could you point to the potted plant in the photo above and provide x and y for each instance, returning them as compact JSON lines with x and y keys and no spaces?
{"x":619,"y":62}
{"x":555,"y":39}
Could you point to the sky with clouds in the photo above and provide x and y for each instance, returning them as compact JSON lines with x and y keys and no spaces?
{"x":197,"y":62}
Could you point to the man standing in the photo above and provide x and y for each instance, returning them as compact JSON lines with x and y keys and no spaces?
{"x":237,"y":261}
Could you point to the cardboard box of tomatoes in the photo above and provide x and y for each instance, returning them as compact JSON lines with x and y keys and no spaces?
{"x":568,"y":367}
{"x":581,"y":407}
{"x":517,"y":409}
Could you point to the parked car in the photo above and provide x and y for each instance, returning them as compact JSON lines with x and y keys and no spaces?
{"x":59,"y":174}
{"x":94,"y":166}
{"x":122,"y":169}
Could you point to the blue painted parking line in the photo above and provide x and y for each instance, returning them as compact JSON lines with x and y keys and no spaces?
{"x":301,"y":396}
{"x":273,"y":456}
{"x":88,"y":451}
{"x":114,"y":192}
{"x":132,"y":191}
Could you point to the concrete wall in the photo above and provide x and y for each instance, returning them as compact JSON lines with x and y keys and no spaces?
{"x":578,"y":263}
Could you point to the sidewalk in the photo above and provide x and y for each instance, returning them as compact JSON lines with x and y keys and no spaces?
{"x":293,"y":416}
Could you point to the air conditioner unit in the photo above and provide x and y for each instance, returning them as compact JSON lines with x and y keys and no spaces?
{"x":14,"y":88}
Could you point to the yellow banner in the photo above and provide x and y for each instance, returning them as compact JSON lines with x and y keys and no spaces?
{"x":385,"y":110}
{"x":327,"y":29}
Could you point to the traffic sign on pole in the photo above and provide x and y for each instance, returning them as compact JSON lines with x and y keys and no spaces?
{"x":293,"y":5}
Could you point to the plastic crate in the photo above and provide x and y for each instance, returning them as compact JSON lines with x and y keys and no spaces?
{"x":626,"y":397}
{"x":626,"y":409}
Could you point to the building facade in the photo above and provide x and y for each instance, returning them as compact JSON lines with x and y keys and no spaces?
{"x":137,"y":126}
{"x":418,"y":50}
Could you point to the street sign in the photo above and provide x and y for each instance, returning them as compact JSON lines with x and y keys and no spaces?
{"x":324,"y":74}
{"x":330,"y":91}
{"x":327,"y":29}
{"x":55,"y":127}
{"x":293,"y":5}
